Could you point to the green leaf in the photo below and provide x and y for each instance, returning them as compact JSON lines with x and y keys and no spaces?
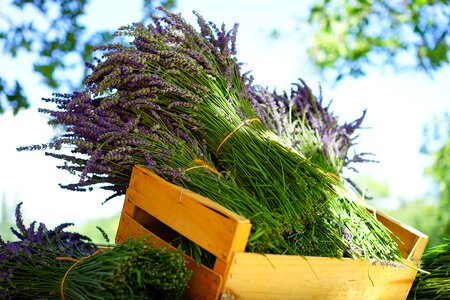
{"x":47,"y":71}
{"x":17,"y":99}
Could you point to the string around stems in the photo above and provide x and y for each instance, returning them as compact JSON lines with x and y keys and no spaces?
{"x":234,"y":130}
{"x":200,"y":164}
{"x":76,"y":262}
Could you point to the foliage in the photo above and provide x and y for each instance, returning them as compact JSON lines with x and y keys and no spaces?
{"x":437,"y":145}
{"x":56,"y":34}
{"x":108,"y":224}
{"x":61,"y":35}
{"x":420,"y":215}
{"x":347,"y":35}
{"x":5,"y":221}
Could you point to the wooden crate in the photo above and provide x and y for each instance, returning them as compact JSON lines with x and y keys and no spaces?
{"x":162,"y":210}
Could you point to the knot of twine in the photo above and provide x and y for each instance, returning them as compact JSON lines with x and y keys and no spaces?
{"x":232,"y":132}
{"x":200,"y":164}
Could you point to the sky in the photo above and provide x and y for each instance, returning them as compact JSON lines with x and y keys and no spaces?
{"x":398,"y":106}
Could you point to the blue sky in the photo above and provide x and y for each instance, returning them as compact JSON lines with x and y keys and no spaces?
{"x":398,"y":106}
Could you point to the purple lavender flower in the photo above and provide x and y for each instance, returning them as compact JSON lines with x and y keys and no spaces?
{"x":274,"y":111}
{"x":37,"y":242}
{"x":111,"y":124}
{"x":348,"y":239}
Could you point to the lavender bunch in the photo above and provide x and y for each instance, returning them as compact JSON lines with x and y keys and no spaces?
{"x":55,"y":264}
{"x":191,"y":82}
{"x":115,"y":144}
{"x":31,"y":250}
{"x":187,"y":73}
{"x":305,"y":123}
{"x":436,"y":283}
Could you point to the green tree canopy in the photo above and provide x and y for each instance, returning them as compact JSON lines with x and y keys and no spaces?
{"x":437,"y":145}
{"x":53,"y":30}
{"x":348,"y":35}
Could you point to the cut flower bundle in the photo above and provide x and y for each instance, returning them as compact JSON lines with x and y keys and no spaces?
{"x":57,"y":264}
{"x":175,"y":101}
{"x":435,"y":284}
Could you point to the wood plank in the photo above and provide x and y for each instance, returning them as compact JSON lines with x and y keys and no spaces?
{"x":216,"y":229}
{"x":128,"y":207}
{"x":145,"y":178}
{"x":254,"y":276}
{"x":258,"y":276}
{"x":411,"y":242}
{"x":128,"y":228}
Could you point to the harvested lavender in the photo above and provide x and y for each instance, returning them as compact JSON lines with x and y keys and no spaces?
{"x":435,"y":284}
{"x":55,"y":264}
{"x":303,"y":122}
{"x":188,"y":85}
{"x":307,"y":125}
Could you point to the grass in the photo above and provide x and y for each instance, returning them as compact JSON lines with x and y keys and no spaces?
{"x":89,"y":228}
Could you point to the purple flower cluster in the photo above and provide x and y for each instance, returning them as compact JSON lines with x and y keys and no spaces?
{"x":386,"y":263}
{"x":112,"y":124}
{"x":275,"y":110}
{"x":38,"y":242}
{"x":348,"y":239}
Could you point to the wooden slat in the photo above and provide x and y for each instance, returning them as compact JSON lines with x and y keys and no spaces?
{"x":411,"y":242}
{"x":128,"y":228}
{"x":204,"y":283}
{"x":257,"y":276}
{"x":199,"y":219}
{"x":142,"y":179}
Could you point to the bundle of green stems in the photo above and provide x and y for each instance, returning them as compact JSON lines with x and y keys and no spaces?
{"x":435,"y":282}
{"x":175,"y":96}
{"x":131,"y":270}
{"x":58,"y":264}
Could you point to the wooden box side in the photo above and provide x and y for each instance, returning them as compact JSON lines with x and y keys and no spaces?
{"x":249,"y":275}
{"x":258,"y":276}
{"x":411,"y":242}
{"x":153,"y":205}
{"x":206,"y":223}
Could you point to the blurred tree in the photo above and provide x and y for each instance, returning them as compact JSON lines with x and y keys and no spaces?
{"x":437,"y":145}
{"x":422,"y":215}
{"x":5,"y":220}
{"x":348,"y":35}
{"x":52,"y":30}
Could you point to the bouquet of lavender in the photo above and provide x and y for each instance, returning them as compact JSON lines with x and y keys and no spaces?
{"x":56,"y":264}
{"x":436,"y":283}
{"x":174,"y":100}
{"x":306,"y":124}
